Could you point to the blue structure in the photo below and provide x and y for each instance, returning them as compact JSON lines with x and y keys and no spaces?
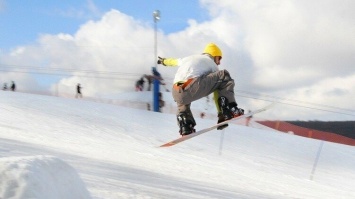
{"x":156,"y":86}
{"x":157,"y":77}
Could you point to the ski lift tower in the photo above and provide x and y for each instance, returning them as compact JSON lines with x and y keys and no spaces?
{"x":156,"y":83}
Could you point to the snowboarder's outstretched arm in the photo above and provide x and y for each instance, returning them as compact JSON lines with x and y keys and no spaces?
{"x":168,"y":61}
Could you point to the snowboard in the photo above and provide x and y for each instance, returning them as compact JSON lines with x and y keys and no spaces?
{"x":187,"y":137}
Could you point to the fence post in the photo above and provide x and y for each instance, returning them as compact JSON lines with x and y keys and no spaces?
{"x":317,"y":159}
{"x":277,"y":125}
{"x":156,"y":91}
{"x":221,"y":142}
{"x":310,"y":134}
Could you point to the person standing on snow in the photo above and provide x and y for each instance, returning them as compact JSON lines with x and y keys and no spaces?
{"x":197,"y":77}
{"x":78,"y":91}
{"x":13,"y":86}
{"x":140,"y":84}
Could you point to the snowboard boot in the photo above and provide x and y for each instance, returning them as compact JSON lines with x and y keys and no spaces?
{"x":221,"y":119}
{"x":186,"y":123}
{"x":229,"y":110}
{"x":233,"y":107}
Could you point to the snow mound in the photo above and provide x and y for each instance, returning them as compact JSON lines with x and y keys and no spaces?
{"x":40,"y":177}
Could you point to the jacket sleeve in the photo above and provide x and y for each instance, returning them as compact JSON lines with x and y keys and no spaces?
{"x":171,"y":62}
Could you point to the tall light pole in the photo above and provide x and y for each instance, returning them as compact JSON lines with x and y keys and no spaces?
{"x":156,"y":18}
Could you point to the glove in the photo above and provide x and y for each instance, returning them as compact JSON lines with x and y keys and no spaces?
{"x":161,"y":61}
{"x":221,"y":119}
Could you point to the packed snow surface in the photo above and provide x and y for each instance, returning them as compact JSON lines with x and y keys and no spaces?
{"x":53,"y":148}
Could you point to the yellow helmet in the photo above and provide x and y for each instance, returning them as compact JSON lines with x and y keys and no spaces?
{"x":213,"y":50}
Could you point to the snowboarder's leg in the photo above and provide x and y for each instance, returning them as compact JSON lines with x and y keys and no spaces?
{"x":222,"y":82}
{"x":203,"y":86}
{"x":185,"y":119}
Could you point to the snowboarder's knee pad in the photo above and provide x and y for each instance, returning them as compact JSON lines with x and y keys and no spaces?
{"x":224,"y":75}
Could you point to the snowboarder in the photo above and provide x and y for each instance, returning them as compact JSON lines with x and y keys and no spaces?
{"x":197,"y":77}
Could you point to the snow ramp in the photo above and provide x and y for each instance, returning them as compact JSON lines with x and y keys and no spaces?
{"x":40,"y":177}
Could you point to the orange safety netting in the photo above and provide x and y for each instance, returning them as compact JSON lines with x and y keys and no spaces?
{"x":310,"y":133}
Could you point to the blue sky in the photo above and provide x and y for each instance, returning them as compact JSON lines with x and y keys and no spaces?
{"x":21,"y":22}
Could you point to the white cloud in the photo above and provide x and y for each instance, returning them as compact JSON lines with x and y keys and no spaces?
{"x":328,"y":98}
{"x":289,"y":33}
{"x":292,"y":48}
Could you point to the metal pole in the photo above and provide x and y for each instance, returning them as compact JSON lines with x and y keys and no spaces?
{"x":317,"y":159}
{"x":156,"y":17}
{"x":155,"y":44}
{"x":156,"y":84}
{"x":221,"y":142}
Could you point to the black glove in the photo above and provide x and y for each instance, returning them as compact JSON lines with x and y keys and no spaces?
{"x":161,"y":61}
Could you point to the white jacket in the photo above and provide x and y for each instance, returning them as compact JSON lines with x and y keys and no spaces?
{"x":192,"y":66}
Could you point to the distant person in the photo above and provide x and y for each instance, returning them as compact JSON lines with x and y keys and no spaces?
{"x":140,"y":84}
{"x":4,"y":87}
{"x":161,"y":101}
{"x":150,"y":79}
{"x":157,"y":75}
{"x":248,"y":119}
{"x":78,"y":91}
{"x":13,"y":86}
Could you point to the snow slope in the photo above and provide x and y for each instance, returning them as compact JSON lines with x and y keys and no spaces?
{"x":52,"y":147}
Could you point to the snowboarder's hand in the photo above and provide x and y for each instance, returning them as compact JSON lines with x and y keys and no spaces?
{"x":161,"y":60}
